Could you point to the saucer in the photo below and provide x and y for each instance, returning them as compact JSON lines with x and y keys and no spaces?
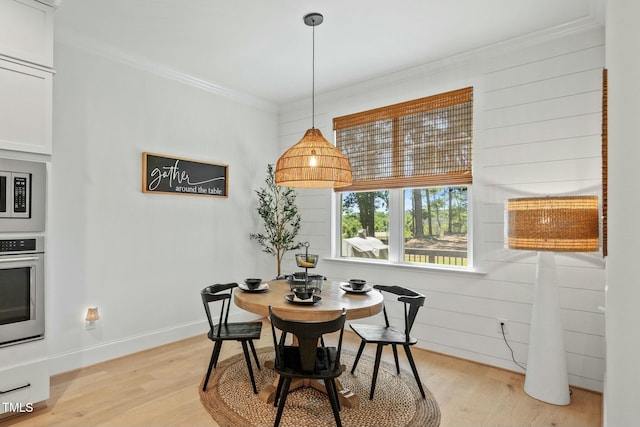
{"x":347,"y":288}
{"x":292,"y":299}
{"x":263,"y":287}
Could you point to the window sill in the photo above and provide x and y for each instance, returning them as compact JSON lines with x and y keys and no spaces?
{"x":386,"y":264}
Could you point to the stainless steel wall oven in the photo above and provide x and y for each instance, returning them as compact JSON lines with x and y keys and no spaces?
{"x":21,"y":289}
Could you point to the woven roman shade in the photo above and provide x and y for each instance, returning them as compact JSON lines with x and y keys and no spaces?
{"x":559,"y":224}
{"x":421,"y":143}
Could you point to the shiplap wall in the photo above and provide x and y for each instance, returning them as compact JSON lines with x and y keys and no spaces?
{"x":537,"y":132}
{"x":542,"y":136}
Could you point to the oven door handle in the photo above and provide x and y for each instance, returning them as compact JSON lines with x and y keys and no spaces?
{"x":26,"y":258}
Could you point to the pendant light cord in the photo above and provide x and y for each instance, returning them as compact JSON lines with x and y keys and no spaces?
{"x":313,"y":77}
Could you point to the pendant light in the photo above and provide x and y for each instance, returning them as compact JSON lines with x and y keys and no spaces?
{"x":313,"y":162}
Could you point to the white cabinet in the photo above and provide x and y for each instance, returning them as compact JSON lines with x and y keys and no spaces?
{"x":26,"y":75}
{"x":26,"y":104}
{"x":23,"y":386}
{"x":25,"y":108}
{"x":26,"y":31}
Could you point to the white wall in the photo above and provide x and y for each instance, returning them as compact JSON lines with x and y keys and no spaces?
{"x":623,"y":293}
{"x":537,"y":132}
{"x":143,"y":258}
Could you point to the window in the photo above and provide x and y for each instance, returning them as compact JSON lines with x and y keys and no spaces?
{"x":365,"y":224}
{"x":435,"y":225}
{"x":411,"y":165}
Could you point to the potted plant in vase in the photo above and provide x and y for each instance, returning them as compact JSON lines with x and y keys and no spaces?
{"x":279,"y":213}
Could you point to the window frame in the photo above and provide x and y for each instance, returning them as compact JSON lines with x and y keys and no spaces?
{"x":396,"y":233}
{"x":396,"y":210}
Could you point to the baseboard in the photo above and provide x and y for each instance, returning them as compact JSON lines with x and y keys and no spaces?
{"x":68,"y":361}
{"x":522,"y":374}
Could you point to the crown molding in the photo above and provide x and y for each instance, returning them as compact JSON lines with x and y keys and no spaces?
{"x":576,"y":27}
{"x":474,"y":57}
{"x":52,"y":3}
{"x":87,"y":44}
{"x":595,"y":20}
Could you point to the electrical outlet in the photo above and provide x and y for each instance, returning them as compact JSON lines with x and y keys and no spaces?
{"x":502,"y":325}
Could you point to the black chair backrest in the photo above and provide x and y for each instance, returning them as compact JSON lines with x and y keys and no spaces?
{"x":412,"y":302}
{"x":308,"y":334}
{"x":217,"y":293}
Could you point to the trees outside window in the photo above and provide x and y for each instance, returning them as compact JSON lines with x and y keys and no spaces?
{"x":436,"y":229}
{"x":433,"y":223}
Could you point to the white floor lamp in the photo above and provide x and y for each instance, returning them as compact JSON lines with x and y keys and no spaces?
{"x":547,"y":225}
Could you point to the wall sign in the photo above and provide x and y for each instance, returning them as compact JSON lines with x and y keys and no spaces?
{"x":176,"y":175}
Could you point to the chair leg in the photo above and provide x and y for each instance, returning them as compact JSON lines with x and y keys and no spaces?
{"x":355,"y":362}
{"x":212,"y":363}
{"x":283,"y":399}
{"x":278,"y":391}
{"x":216,"y":350}
{"x":375,"y":370}
{"x":413,"y":368}
{"x":335,"y":391}
{"x":333,"y":398}
{"x":255,"y":354}
{"x":248,"y":360}
{"x":395,"y":357}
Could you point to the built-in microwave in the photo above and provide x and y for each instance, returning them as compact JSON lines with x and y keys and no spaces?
{"x":22,"y":195}
{"x":15,"y":195}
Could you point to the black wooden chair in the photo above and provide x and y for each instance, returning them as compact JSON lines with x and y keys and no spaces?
{"x":224,"y":331}
{"x":387,"y":334}
{"x":309,"y":359}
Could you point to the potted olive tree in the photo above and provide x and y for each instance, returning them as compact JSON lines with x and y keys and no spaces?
{"x":279,"y":213}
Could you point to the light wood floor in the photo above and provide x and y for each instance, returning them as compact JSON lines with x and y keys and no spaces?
{"x":159,"y":387}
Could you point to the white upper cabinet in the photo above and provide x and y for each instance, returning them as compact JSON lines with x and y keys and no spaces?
{"x":26,"y":75}
{"x":25,"y":108}
{"x":26,"y":31}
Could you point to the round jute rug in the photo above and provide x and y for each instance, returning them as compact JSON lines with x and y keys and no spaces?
{"x":397,"y":402}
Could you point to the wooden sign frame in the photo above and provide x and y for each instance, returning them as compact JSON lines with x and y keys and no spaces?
{"x":186,"y":177}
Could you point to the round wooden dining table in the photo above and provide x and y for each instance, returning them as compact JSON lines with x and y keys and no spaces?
{"x":333,"y":298}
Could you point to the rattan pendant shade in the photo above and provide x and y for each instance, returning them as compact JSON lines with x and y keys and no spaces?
{"x":559,"y":224}
{"x":313,"y":162}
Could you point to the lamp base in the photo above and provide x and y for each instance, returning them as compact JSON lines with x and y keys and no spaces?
{"x":547,"y":378}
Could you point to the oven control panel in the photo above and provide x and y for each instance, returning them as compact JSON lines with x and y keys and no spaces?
{"x":18,"y":245}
